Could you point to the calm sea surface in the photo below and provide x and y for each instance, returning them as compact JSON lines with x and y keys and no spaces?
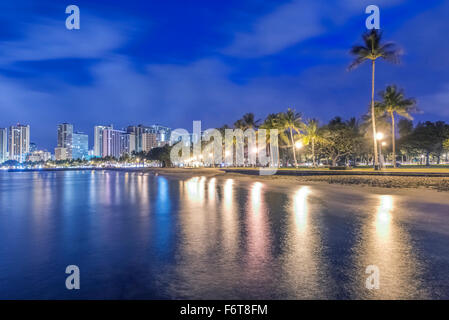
{"x":137,"y":235}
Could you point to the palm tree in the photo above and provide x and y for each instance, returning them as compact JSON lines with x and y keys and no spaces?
{"x":271,"y":122}
{"x":247,"y":122}
{"x":373,"y":49}
{"x":312,"y":135}
{"x":291,"y":121}
{"x":393,"y":101}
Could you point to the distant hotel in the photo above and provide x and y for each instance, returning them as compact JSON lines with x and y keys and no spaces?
{"x":71,"y":145}
{"x":19,"y":142}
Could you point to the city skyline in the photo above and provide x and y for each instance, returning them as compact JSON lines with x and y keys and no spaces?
{"x":74,"y":144}
{"x":208,"y":64}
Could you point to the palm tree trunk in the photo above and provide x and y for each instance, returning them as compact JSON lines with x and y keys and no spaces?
{"x":373,"y":118}
{"x":313,"y":152}
{"x":293,"y":147}
{"x":393,"y":139}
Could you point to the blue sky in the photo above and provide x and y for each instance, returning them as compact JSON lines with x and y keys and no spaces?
{"x":172,"y":62}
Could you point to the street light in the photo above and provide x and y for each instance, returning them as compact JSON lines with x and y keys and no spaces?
{"x":379,"y":136}
{"x":298,"y":145}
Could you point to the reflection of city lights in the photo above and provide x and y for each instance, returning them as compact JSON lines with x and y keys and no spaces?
{"x":383,"y":218}
{"x":228,"y":186}
{"x":256,"y":193}
{"x":227,"y":194}
{"x":386,"y":203}
{"x":300,"y":206}
{"x":211,"y":189}
{"x":195,"y":189}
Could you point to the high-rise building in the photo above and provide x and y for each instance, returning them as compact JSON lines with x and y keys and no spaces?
{"x":80,"y":146}
{"x":137,"y":131}
{"x":149,"y":141}
{"x":127,"y":143}
{"x":19,"y":142}
{"x":98,"y":140}
{"x":162,"y":135}
{"x":61,"y":154}
{"x":3,"y":145}
{"x":114,"y":142}
{"x":65,"y":138}
{"x":132,"y":143}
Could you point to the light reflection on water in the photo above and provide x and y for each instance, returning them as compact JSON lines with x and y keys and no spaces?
{"x":302,"y":262}
{"x":386,"y":244}
{"x":142,"y":236}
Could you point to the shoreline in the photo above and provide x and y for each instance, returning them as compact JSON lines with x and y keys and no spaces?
{"x":420,"y":183}
{"x":406,"y":181}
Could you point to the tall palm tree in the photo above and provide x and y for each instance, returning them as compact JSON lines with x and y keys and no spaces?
{"x":394,"y":102}
{"x":312,"y":135}
{"x":291,"y":121}
{"x":373,"y":49}
{"x":248,"y":121}
{"x":270,"y":122}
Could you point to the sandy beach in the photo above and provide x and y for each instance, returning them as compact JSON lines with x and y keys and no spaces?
{"x":347,"y":190}
{"x":407,"y":184}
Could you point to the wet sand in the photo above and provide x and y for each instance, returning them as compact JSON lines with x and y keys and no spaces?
{"x":424,"y":194}
{"x":381,"y":182}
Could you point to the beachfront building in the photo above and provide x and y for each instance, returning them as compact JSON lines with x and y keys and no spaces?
{"x":144,"y":136}
{"x":65,"y":138}
{"x":149,"y":141}
{"x":3,"y":145}
{"x":80,"y":146}
{"x":61,"y":154}
{"x":116,"y":143}
{"x":98,"y":140}
{"x":163,"y":134}
{"x":19,"y":142}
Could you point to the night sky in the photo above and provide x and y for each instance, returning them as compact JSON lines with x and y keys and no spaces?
{"x":172,"y":62}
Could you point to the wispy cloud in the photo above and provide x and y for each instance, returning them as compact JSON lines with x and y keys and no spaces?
{"x":49,"y":39}
{"x":294,"y":22}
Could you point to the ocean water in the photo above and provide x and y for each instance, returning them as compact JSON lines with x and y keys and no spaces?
{"x":141,"y":236}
